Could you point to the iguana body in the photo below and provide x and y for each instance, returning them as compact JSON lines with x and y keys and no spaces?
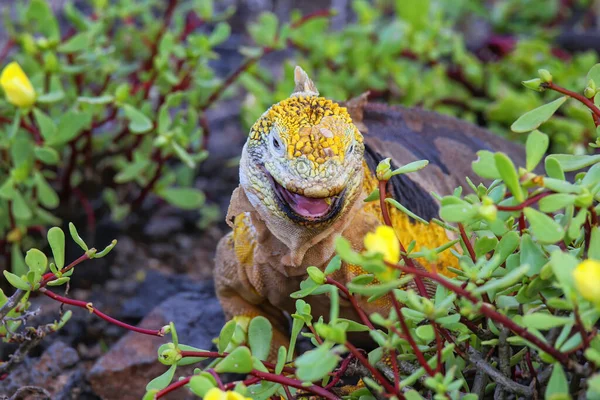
{"x":305,"y":171}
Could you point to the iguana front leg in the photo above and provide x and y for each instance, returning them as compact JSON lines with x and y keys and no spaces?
{"x":240,"y":299}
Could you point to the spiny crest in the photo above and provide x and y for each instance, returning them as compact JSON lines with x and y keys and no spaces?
{"x":314,"y":126}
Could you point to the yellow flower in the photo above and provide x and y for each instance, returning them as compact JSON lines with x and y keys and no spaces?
{"x":218,"y":394}
{"x":587,"y":280}
{"x":16,"y":86}
{"x":384,"y":242}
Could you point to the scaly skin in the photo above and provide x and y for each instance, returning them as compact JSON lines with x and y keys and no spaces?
{"x":309,"y":146}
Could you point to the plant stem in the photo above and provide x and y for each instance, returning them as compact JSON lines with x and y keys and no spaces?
{"x":388,"y":221}
{"x":587,"y":102}
{"x":526,"y":203}
{"x":172,"y":387}
{"x":361,"y":313}
{"x":488,"y":311}
{"x":376,"y":374}
{"x":467,"y":242}
{"x":90,"y":308}
{"x":294,"y":383}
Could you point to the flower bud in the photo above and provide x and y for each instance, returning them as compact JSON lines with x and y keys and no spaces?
{"x":169,"y":356}
{"x":488,"y":212}
{"x":587,"y":276}
{"x":545,"y":75}
{"x":384,"y":170}
{"x":584,"y":199}
{"x":534,"y":84}
{"x":589,"y":92}
{"x":50,"y":62}
{"x":384,"y":242}
{"x":16,"y":86}
{"x":316,"y":275}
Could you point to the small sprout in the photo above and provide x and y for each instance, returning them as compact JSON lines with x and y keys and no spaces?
{"x":545,"y":75}
{"x":170,"y":356}
{"x":76,"y":237}
{"x":316,"y":275}
{"x":106,"y":250}
{"x":384,"y":170}
{"x":90,"y":307}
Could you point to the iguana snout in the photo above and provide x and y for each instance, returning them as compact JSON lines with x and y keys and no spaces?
{"x":304,"y":157}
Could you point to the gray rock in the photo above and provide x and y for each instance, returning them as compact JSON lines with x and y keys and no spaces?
{"x":131,"y":363}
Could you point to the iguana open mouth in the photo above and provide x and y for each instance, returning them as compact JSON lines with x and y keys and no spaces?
{"x":303,"y":208}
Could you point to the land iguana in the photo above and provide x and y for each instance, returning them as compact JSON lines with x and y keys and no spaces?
{"x":304,"y":173}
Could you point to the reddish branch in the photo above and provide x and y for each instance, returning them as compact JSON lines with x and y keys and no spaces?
{"x":361,"y":313}
{"x":489,"y":312}
{"x":294,"y":383}
{"x":530,"y":201}
{"x":90,"y":308}
{"x":340,"y":372}
{"x":388,"y":221}
{"x":467,"y":242}
{"x":376,"y":374}
{"x":410,"y":339}
{"x":172,"y":387}
{"x":4,"y":52}
{"x":214,"y":354}
{"x":587,"y":102}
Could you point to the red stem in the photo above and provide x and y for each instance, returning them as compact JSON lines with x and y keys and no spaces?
{"x":465,"y":238}
{"x":90,"y":307}
{"x":361,"y":313}
{"x":172,"y":387}
{"x":294,"y":383}
{"x":340,"y":372}
{"x":50,"y":276}
{"x":140,"y":199}
{"x":410,"y":339}
{"x":489,"y":312}
{"x":588,"y":103}
{"x":4,"y":52}
{"x":388,"y":221}
{"x":214,"y":354}
{"x":89,"y":210}
{"x":376,"y":374}
{"x":524,"y":204}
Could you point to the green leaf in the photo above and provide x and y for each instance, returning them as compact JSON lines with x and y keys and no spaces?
{"x":226,"y":335}
{"x":186,"y":198}
{"x":16,"y":281}
{"x":56,"y":239}
{"x":162,"y":381}
{"x":138,"y":121}
{"x":544,"y":321}
{"x":70,"y":125}
{"x":199,"y":385}
{"x":47,"y":155}
{"x":533,"y":119}
{"x":406,"y":210}
{"x":415,"y":13}
{"x":46,"y":194}
{"x":532,"y":255}
{"x":316,"y":364}
{"x":105,"y":99}
{"x":18,"y":262}
{"x":553,"y":169}
{"x":563,"y":265}
{"x":52,"y":97}
{"x":594,"y":249}
{"x":458,"y":212}
{"x":260,"y":334}
{"x":536,"y":146}
{"x":507,"y":280}
{"x":77,"y":42}
{"x":40,"y":17}
{"x":558,"y":386}
{"x":508,"y":172}
{"x":334,"y":264}
{"x":555,"y":202}
{"x":20,"y":208}
{"x":132,"y":170}
{"x":36,"y":261}
{"x":594,"y":74}
{"x":545,"y":229}
{"x":183,"y":155}
{"x":485,"y":165}
{"x":47,"y":126}
{"x":239,"y":361}
{"x":76,"y":237}
{"x":570,"y":162}
{"x":410,"y":167}
{"x":219,"y":34}
{"x":264,"y":31}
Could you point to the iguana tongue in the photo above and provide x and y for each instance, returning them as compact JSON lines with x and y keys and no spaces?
{"x":306,"y":206}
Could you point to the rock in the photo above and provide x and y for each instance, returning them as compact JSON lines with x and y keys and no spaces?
{"x":131,"y":363}
{"x":56,"y":371}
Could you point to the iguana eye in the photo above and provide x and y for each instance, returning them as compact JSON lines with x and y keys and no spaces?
{"x":276,"y":143}
{"x":276,"y":146}
{"x":350,"y":148}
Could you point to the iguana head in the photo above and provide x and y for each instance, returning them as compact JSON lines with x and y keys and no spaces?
{"x":303,"y":161}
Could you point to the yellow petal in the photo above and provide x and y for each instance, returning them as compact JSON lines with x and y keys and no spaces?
{"x":16,"y":86}
{"x":236,"y":396}
{"x":587,"y":280}
{"x":385,"y":242}
{"x":215,"y":394}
